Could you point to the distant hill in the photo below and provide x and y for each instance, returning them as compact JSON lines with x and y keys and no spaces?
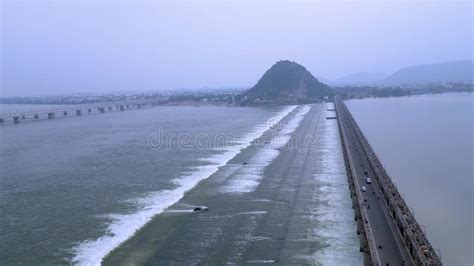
{"x":361,"y":78}
{"x":455,"y":71}
{"x":286,"y":82}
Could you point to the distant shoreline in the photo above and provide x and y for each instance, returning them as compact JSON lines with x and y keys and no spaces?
{"x":199,"y":102}
{"x":405,"y":95}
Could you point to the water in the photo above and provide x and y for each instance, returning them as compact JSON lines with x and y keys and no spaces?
{"x":274,"y":202}
{"x":247,"y":179}
{"x":73,"y":189}
{"x":125,"y":225}
{"x":336,"y":218}
{"x":68,"y":183}
{"x":426,"y":145}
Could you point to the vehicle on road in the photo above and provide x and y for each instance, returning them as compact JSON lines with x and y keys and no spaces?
{"x":364,"y":189}
{"x":368,"y":181}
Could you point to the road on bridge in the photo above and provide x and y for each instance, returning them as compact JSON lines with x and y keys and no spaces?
{"x":390,"y":249}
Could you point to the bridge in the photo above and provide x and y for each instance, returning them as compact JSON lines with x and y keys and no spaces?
{"x":389,"y":232}
{"x":77,"y":110}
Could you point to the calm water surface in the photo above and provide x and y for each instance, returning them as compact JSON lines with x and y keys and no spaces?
{"x":426,"y":145}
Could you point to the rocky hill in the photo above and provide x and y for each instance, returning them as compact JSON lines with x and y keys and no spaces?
{"x":286,"y":82}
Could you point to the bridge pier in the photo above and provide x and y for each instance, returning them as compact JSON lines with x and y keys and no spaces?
{"x":51,"y":115}
{"x":122,"y":108}
{"x":139,"y":106}
{"x":2,"y":120}
{"x":16,"y":120}
{"x":65,"y":113}
{"x":89,"y":110}
{"x":367,"y":259}
{"x":101,"y":109}
{"x":110,"y":108}
{"x":36,"y":116}
{"x":23,"y":116}
{"x":355,"y":204}
{"x":78,"y":113}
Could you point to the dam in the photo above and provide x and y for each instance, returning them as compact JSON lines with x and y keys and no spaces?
{"x":277,"y":221}
{"x":281,"y":219}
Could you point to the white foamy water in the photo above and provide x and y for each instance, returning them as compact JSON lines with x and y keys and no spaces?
{"x":249,"y":176}
{"x":123,"y":226}
{"x":336,"y":227}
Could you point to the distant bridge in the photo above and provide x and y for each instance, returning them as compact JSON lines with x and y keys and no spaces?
{"x":389,"y":232}
{"x":77,"y":110}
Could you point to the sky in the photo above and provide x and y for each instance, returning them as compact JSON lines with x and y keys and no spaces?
{"x":63,"y":47}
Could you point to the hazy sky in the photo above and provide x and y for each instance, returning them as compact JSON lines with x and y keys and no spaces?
{"x":58,"y":47}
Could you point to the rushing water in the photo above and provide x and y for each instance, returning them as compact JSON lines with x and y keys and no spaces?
{"x":73,"y":189}
{"x":426,"y":145}
{"x":71,"y":184}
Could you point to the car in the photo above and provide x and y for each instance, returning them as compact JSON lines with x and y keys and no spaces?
{"x":364,"y":189}
{"x":368,"y":181}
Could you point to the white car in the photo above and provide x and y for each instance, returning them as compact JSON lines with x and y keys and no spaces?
{"x":364,"y":189}
{"x":368,"y":181}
